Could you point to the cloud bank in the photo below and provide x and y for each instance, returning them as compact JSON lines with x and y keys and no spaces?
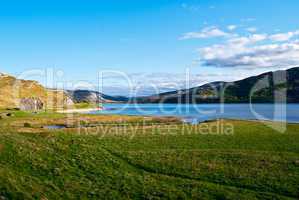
{"x":250,"y":51}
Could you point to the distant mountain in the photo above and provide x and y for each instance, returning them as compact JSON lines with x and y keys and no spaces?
{"x":265,"y":88}
{"x":88,"y":96}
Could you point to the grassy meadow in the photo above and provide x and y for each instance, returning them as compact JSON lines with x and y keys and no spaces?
{"x":121,"y":157}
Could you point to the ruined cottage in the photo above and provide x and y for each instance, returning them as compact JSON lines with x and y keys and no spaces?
{"x":31,"y":103}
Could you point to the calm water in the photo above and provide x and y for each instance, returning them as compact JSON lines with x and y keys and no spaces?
{"x":201,"y":112}
{"x":54,"y":127}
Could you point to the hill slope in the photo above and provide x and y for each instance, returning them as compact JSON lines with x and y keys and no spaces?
{"x":12,"y":90}
{"x":255,"y":162}
{"x":88,"y":96}
{"x":267,"y":87}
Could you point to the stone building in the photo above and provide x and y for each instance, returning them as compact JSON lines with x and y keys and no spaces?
{"x":32,"y":104}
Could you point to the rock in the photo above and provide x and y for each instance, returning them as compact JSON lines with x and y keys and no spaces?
{"x":86,"y":96}
{"x":2,"y":197}
{"x":5,"y":115}
{"x":10,"y":115}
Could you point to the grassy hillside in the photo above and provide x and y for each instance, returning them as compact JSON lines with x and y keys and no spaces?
{"x":252,"y":163}
{"x":12,"y":90}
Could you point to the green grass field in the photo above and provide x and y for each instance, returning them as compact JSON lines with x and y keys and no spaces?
{"x":255,"y":162}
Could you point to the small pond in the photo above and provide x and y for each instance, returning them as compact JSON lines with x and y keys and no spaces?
{"x":54,"y":126}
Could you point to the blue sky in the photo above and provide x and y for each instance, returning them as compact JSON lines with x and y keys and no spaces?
{"x":153,"y":42}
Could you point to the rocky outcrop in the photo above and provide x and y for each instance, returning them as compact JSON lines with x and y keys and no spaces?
{"x":85,"y":96}
{"x":30,"y":95}
{"x":93,"y":97}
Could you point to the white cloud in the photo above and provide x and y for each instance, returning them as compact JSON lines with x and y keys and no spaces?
{"x":258,"y":37}
{"x":251,"y":51}
{"x":208,"y":32}
{"x":280,"y":37}
{"x":153,"y":83}
{"x":231,"y":27}
{"x":242,"y":41}
{"x":248,"y":52}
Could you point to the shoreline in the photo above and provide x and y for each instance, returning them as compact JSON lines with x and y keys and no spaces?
{"x":79,"y":110}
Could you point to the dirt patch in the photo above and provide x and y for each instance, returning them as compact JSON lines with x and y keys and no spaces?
{"x":30,"y":130}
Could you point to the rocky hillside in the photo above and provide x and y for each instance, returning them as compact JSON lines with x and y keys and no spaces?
{"x":14,"y":93}
{"x":265,"y":88}
{"x":93,"y":97}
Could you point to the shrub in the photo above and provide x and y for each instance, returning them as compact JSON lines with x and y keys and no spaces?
{"x":27,"y":125}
